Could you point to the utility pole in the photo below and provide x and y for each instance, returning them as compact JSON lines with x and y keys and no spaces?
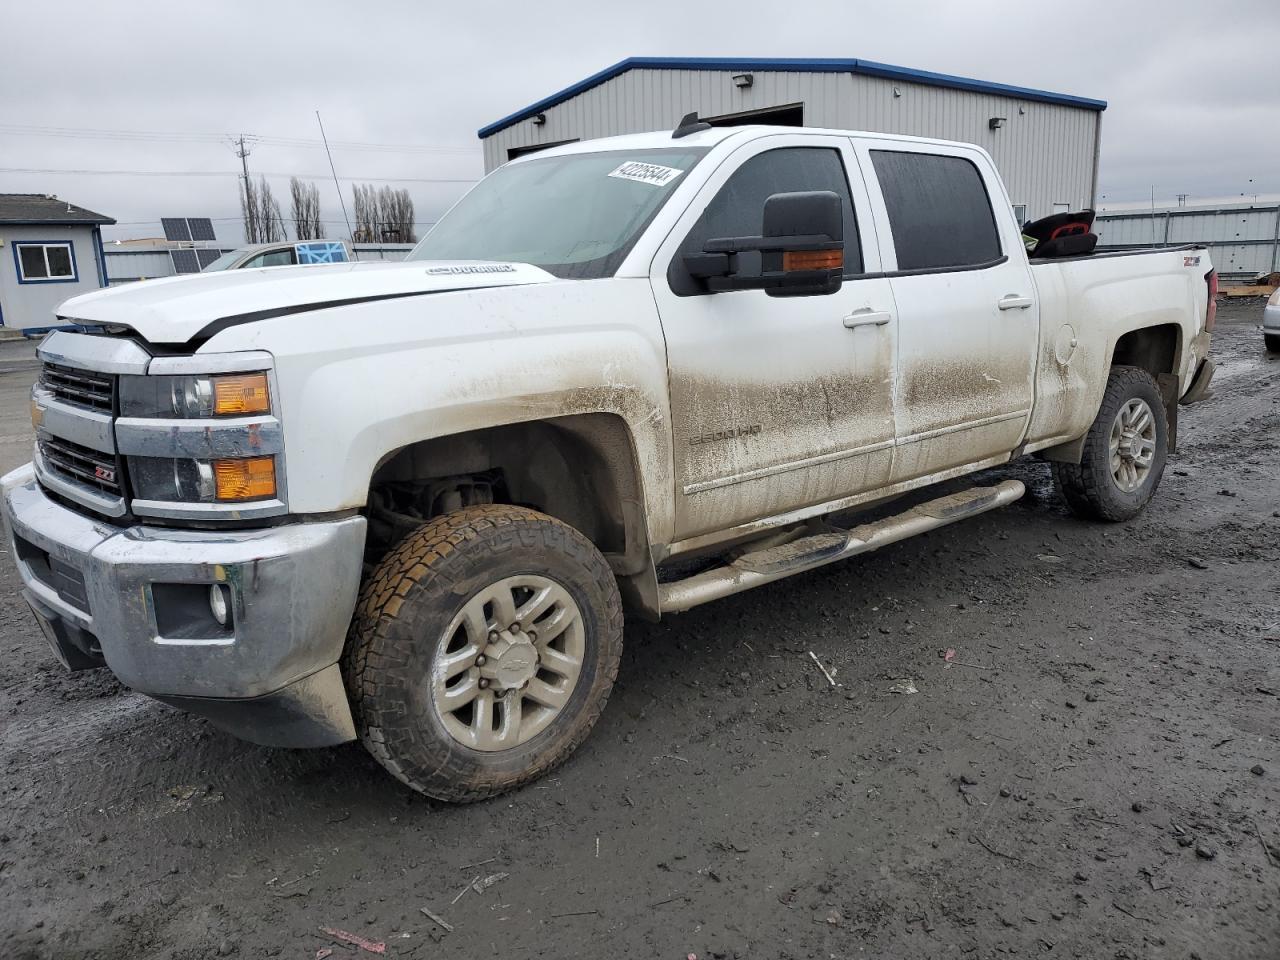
{"x":250,"y":214}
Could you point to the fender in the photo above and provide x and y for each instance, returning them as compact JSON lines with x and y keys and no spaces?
{"x":423,"y":368}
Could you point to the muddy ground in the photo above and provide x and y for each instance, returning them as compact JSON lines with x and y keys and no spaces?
{"x":1094,"y":776}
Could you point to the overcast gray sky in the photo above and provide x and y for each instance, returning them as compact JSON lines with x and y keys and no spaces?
{"x":1194,"y":88}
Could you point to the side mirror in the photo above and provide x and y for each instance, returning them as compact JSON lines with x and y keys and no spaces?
{"x":800,"y":252}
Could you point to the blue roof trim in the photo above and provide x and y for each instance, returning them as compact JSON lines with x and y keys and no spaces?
{"x":791,"y":65}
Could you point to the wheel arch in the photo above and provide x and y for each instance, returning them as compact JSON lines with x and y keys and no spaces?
{"x":583,"y":469}
{"x":1156,"y":348}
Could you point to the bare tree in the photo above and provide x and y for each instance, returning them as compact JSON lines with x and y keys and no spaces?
{"x":260,"y":212}
{"x":382,"y":216}
{"x":306,"y":210}
{"x":270,"y":220}
{"x":364,"y":207}
{"x":396,"y":210}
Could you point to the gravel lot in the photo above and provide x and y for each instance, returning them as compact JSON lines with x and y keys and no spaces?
{"x":1096,"y":775}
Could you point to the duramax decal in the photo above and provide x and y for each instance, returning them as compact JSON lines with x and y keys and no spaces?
{"x":468,"y":268}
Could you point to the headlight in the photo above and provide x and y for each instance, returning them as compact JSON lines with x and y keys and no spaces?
{"x":203,"y":481}
{"x":194,"y":398}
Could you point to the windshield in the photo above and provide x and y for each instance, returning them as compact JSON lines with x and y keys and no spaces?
{"x":223,"y":261}
{"x":575,"y":216}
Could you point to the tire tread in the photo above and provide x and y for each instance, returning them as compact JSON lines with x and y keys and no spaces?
{"x":1086,"y":485}
{"x":373,"y":653}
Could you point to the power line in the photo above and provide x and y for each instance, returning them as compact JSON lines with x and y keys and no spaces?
{"x":227,"y":173}
{"x":155,"y":223}
{"x":79,"y":133}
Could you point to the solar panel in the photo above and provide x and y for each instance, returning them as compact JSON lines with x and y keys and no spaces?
{"x":201,"y":228}
{"x":207,"y":257}
{"x":175,"y":228}
{"x":185,"y":261}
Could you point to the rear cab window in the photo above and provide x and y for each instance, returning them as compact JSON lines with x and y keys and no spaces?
{"x":939,"y":211}
{"x":737,"y":210}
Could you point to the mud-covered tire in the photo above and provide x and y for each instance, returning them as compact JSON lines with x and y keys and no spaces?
{"x":1272,"y":341}
{"x":407,"y":604}
{"x":1090,"y":487}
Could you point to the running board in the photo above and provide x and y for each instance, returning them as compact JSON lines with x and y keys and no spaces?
{"x":759,"y":567}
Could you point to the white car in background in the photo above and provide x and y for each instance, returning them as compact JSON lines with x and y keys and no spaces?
{"x":1271,"y":322}
{"x":286,"y":254}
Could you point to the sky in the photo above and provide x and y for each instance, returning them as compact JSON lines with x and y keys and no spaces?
{"x":156,"y":91}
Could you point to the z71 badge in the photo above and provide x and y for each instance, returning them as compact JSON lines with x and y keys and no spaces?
{"x":105,"y":474}
{"x":1191,"y":261}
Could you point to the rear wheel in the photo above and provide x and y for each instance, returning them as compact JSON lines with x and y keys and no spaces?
{"x":483,"y":649}
{"x":1124,"y":451}
{"x":1273,"y":342}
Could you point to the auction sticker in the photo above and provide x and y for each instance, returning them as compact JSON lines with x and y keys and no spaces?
{"x":649,"y":173}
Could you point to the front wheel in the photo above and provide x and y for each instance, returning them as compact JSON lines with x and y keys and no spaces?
{"x":1124,"y":451}
{"x":483,"y":650}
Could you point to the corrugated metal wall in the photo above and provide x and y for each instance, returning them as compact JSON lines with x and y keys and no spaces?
{"x":1045,"y":152}
{"x":1242,"y":240}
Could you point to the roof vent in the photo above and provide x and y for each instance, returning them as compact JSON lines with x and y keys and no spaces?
{"x":689,"y":124}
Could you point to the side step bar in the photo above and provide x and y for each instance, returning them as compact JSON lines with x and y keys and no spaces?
{"x":759,"y":567}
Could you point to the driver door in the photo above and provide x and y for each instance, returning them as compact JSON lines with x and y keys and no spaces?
{"x":777,"y":403}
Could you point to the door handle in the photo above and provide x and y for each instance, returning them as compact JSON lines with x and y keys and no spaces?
{"x":867,"y":318}
{"x":1014,"y":302}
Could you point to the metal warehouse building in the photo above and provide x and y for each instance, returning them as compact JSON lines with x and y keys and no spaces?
{"x":1045,"y":144}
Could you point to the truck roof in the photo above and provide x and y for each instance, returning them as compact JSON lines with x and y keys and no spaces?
{"x":659,"y":139}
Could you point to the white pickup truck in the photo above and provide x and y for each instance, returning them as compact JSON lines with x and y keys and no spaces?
{"x":408,"y":502}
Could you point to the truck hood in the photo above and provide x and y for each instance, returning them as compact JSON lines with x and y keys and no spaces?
{"x":184,"y":309}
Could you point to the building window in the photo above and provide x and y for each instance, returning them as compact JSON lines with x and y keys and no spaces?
{"x":1061,"y":207}
{"x":45,"y":261}
{"x":1020,"y":214}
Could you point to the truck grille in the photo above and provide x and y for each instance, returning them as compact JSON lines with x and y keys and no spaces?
{"x":92,"y":468}
{"x":84,"y":388}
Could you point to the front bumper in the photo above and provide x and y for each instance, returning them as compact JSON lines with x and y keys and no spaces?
{"x":136,"y":599}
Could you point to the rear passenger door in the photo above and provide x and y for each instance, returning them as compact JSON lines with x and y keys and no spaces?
{"x":966,"y":307}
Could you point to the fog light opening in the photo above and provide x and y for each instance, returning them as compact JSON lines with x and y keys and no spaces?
{"x":220,"y":603}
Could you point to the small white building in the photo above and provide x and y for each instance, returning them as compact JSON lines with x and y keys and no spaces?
{"x":49,"y":250}
{"x":1045,"y":144}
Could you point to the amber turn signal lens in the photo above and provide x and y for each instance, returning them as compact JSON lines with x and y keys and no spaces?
{"x":250,"y":479}
{"x":812,"y":260}
{"x":246,"y":393}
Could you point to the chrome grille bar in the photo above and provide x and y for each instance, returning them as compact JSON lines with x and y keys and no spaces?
{"x":80,"y":387}
{"x":90,"y":467}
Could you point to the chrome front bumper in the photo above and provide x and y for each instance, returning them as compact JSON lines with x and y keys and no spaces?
{"x":137,"y":600}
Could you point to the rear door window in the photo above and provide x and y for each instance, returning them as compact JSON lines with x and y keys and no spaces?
{"x":938,"y":209}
